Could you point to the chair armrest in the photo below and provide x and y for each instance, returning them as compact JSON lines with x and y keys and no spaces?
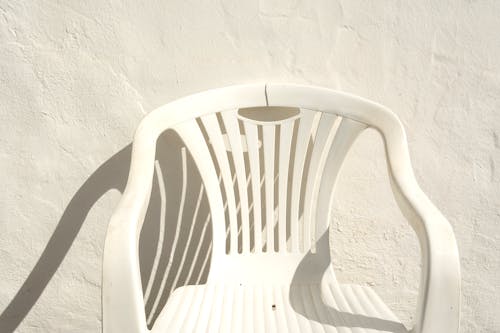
{"x":438,"y":308}
{"x":122,"y":298}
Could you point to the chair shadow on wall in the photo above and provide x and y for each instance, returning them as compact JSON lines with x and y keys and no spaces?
{"x":178,"y":230}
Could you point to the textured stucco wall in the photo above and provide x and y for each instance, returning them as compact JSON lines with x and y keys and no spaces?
{"x":77,"y":76}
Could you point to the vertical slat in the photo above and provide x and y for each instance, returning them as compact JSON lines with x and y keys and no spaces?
{"x":323,"y":139}
{"x":215,"y":136}
{"x":268,"y":143}
{"x":303,"y":135}
{"x":251,"y":133}
{"x":233,"y":132}
{"x":286,"y":131}
{"x":347,"y":131}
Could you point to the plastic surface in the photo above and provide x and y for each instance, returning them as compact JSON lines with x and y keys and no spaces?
{"x":273,"y":181}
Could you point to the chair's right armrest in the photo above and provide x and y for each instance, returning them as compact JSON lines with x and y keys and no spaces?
{"x":438,"y":308}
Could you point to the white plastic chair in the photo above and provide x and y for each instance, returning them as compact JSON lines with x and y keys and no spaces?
{"x":277,"y":278}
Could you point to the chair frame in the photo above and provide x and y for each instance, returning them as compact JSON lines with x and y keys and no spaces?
{"x":438,"y":306}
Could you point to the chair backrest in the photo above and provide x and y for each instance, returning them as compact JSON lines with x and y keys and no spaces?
{"x":276,"y":168}
{"x":269,"y":156}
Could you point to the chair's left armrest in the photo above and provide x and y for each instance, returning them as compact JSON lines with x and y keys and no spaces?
{"x":122,"y":297}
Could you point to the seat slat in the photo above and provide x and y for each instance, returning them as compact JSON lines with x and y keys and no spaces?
{"x":248,"y":310}
{"x":215,"y":315}
{"x":259,"y":318}
{"x":293,"y":323}
{"x":202,"y":322}
{"x":175,"y":325}
{"x":227,"y":309}
{"x":299,"y":304}
{"x":237,"y":310}
{"x":193,"y":315}
{"x":269,"y":315}
{"x":278,"y":310}
{"x":320,"y":309}
{"x":334,"y":313}
{"x":310,"y":310}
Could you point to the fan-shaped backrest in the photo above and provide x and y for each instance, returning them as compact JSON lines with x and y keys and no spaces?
{"x":271,"y":165}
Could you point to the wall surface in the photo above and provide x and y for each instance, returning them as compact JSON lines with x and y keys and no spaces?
{"x":76,"y":77}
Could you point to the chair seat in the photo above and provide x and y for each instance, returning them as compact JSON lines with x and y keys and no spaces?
{"x":276,"y":308}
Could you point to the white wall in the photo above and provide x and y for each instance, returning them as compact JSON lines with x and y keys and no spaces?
{"x":77,"y":76}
